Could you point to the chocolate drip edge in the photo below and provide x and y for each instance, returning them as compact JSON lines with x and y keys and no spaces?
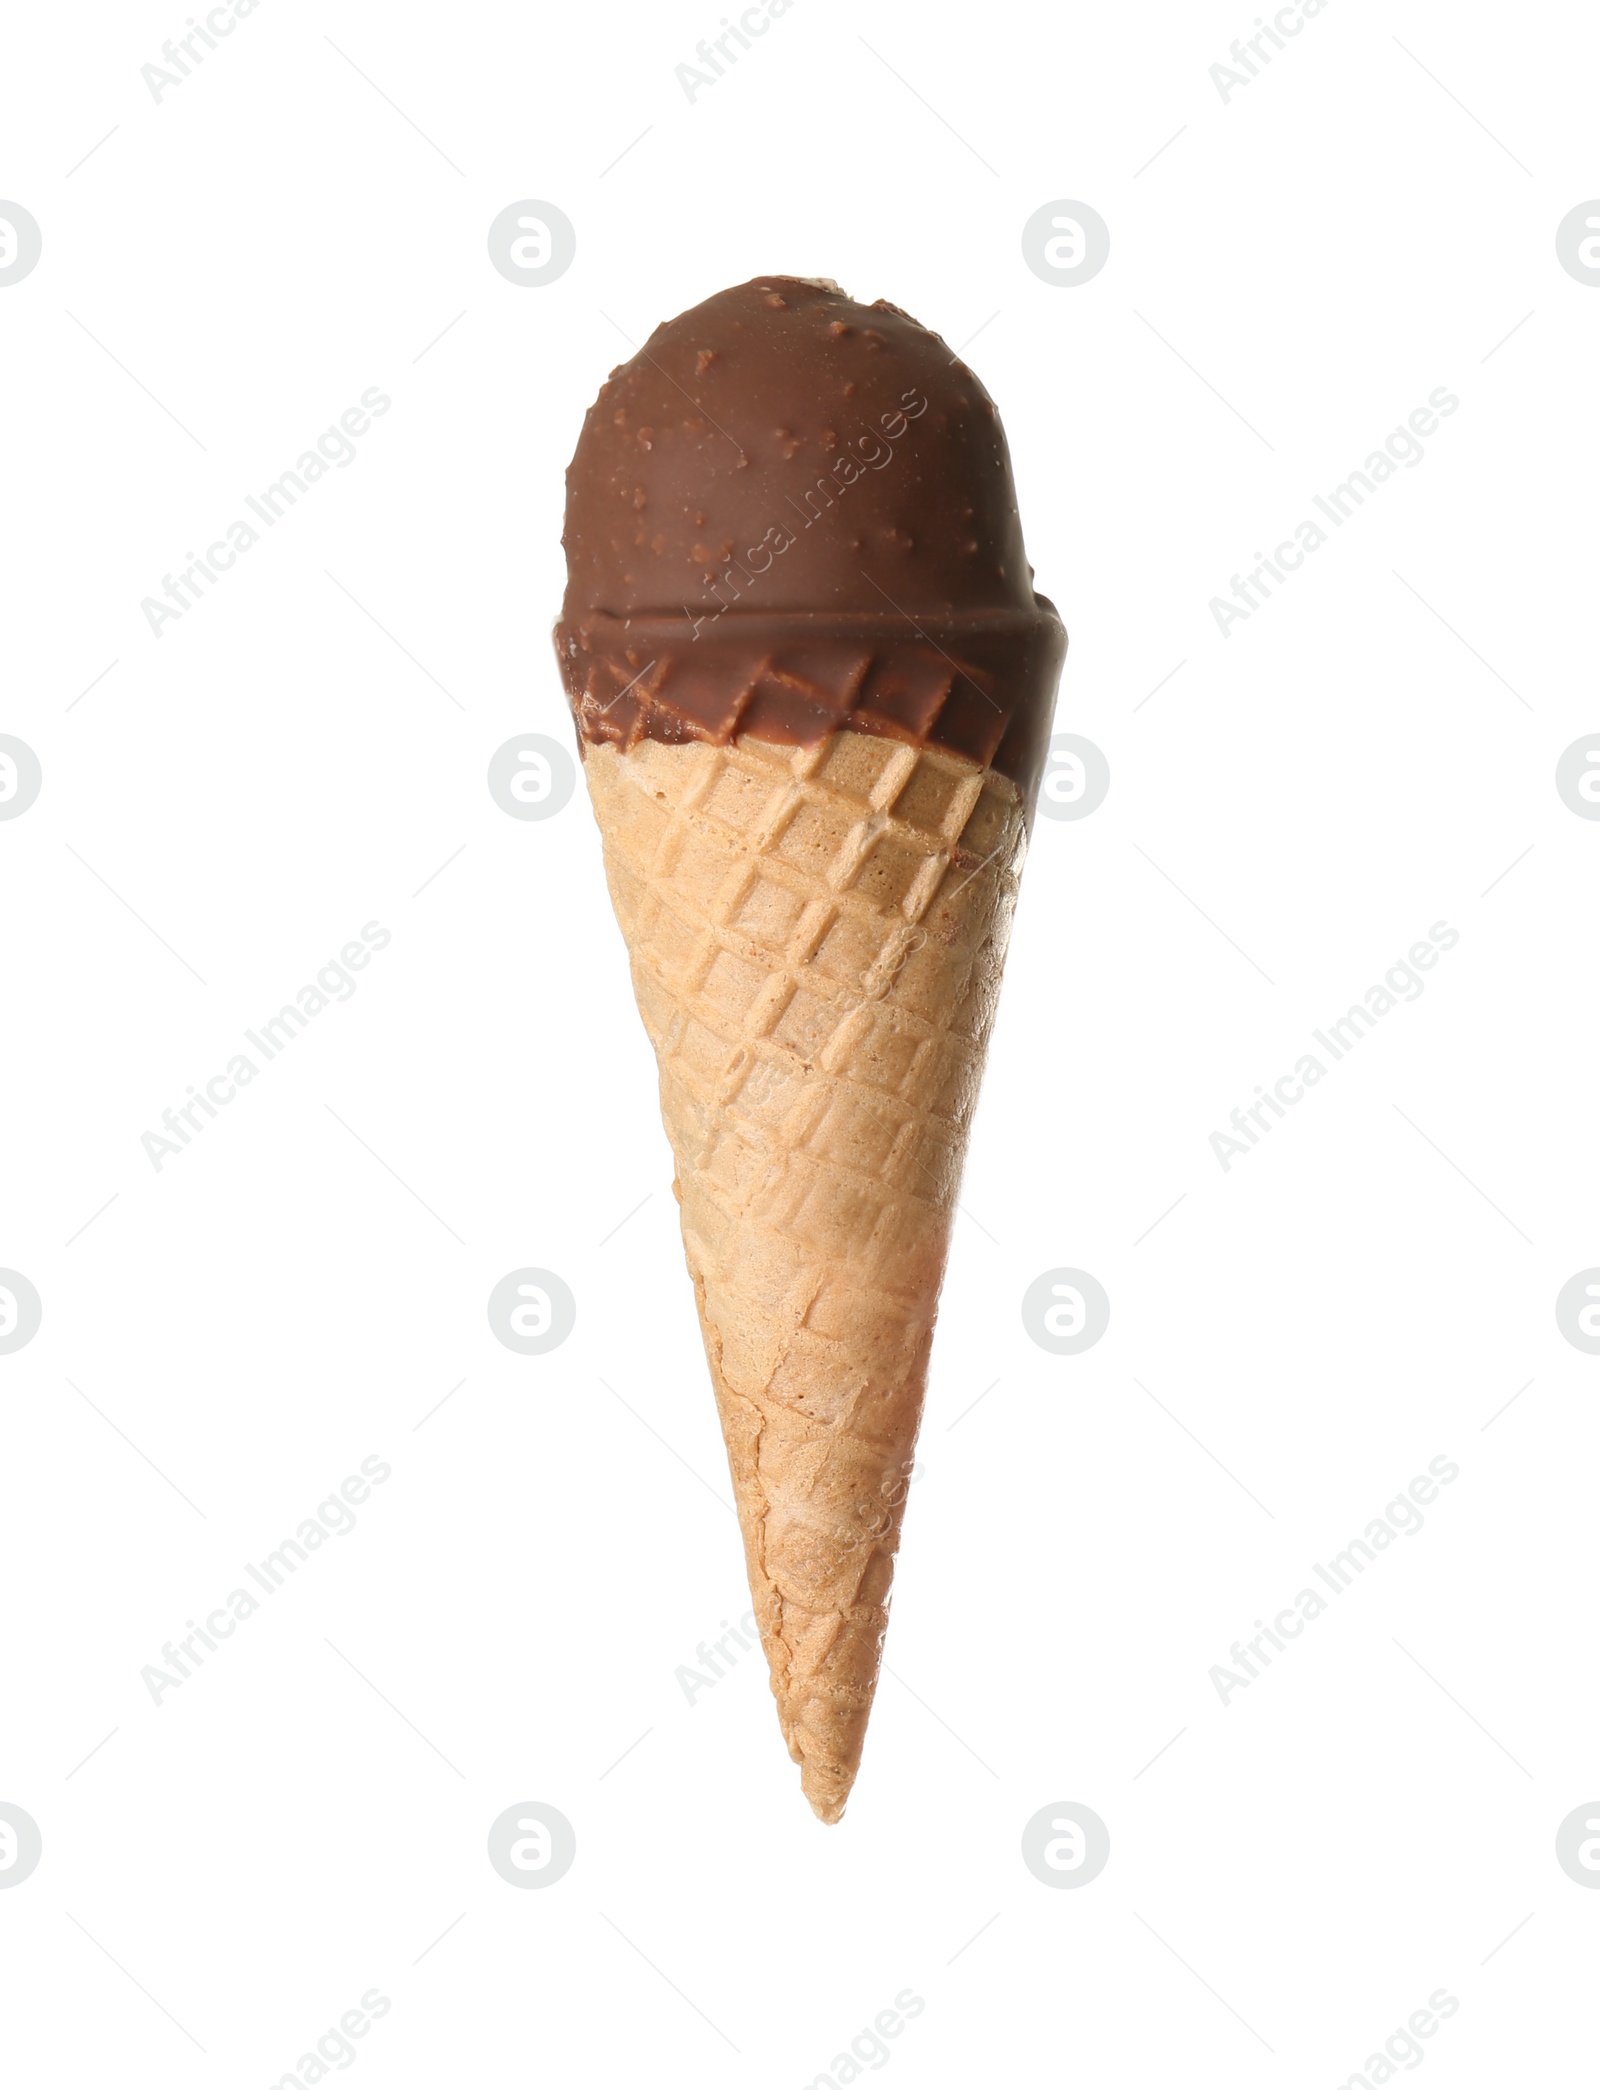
{"x":979,"y":683}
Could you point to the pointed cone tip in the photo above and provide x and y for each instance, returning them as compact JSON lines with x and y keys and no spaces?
{"x":828,"y":1796}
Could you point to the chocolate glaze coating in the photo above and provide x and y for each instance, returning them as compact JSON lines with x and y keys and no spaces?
{"x":790,"y":512}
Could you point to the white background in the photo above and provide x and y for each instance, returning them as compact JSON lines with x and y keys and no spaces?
{"x":1296,"y":803}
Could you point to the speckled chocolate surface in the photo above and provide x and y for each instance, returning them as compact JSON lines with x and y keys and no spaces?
{"x":791,"y":512}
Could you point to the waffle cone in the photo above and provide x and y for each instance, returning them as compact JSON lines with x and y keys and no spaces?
{"x":816,"y":937}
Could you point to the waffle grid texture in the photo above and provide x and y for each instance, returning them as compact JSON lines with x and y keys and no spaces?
{"x":816,"y":937}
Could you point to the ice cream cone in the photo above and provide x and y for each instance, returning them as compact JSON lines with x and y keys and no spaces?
{"x":816,"y":935}
{"x":812,"y":682}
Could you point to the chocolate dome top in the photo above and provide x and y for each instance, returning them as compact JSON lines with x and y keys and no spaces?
{"x":790,"y":513}
{"x":783,"y":407}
